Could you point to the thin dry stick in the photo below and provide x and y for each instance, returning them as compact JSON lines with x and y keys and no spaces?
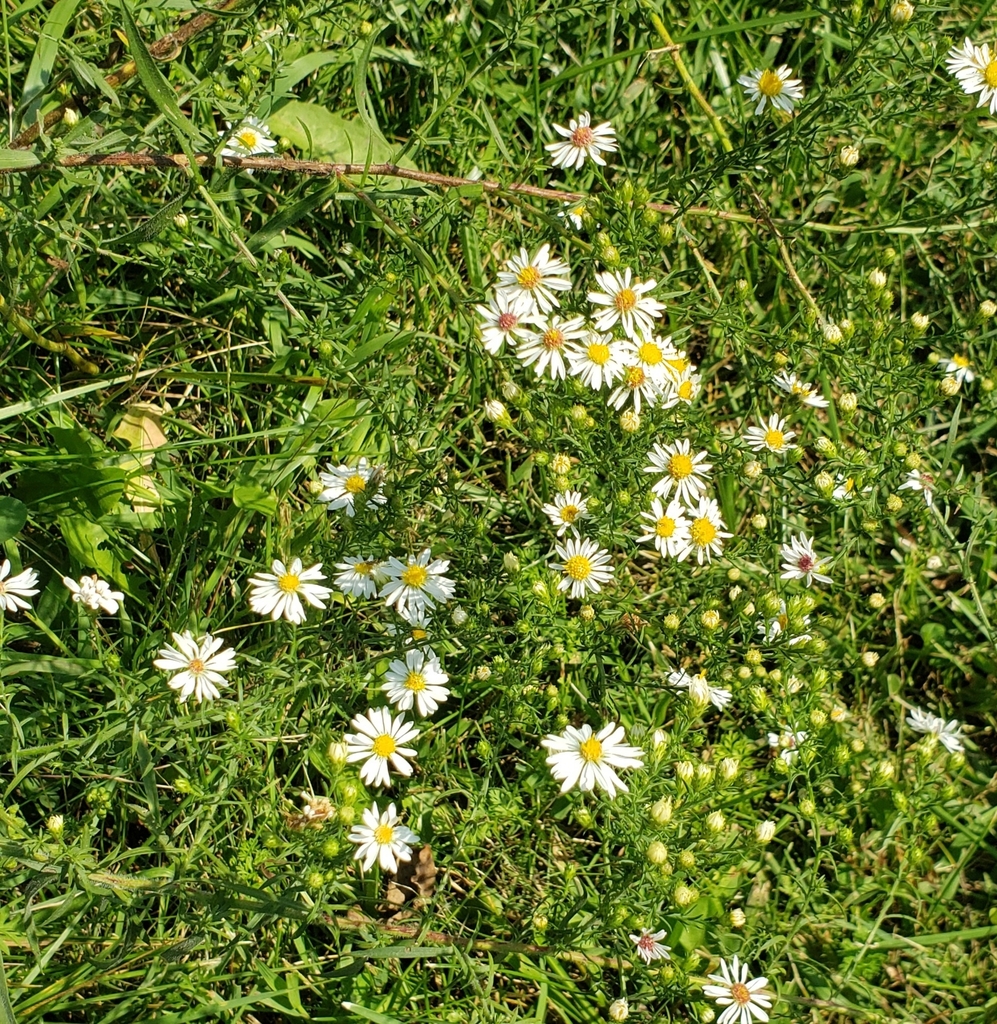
{"x":787,"y":260}
{"x":166,"y":48}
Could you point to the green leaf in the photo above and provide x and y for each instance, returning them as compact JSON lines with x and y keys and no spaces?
{"x":152,"y":227}
{"x":250,"y":495}
{"x":6,"y":1010}
{"x":373,"y":1015}
{"x":43,"y":59}
{"x":15,"y":159}
{"x":289,"y":215}
{"x":13,"y":516}
{"x":86,"y":541}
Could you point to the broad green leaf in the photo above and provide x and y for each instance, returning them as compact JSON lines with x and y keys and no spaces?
{"x":15,"y":159}
{"x":87,"y":544}
{"x":43,"y":59}
{"x":13,"y":516}
{"x":250,"y":495}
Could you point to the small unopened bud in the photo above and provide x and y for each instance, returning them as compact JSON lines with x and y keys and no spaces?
{"x":919,"y":323}
{"x":729,"y":767}
{"x":710,"y":619}
{"x":560,"y":464}
{"x":877,"y":279}
{"x":733,"y":594}
{"x":687,"y":860}
{"x":824,"y":482}
{"x":629,"y":421}
{"x":586,"y":613}
{"x":704,"y":774}
{"x":70,"y":117}
{"x":752,"y":470}
{"x":686,"y":771}
{"x":619,"y":1010}
{"x":511,"y":390}
{"x":949,"y":386}
{"x":886,"y":770}
{"x":684,"y":896}
{"x":818,"y":718}
{"x":832,"y":333}
{"x":758,"y":521}
{"x":181,"y":222}
{"x":458,"y":616}
{"x":539,"y":589}
{"x":671,"y":622}
{"x":737,"y":918}
{"x":987,"y":310}
{"x":765,"y":831}
{"x":848,"y":156}
{"x":657,"y":853}
{"x":716,"y":822}
{"x":661,"y":811}
{"x":826,"y":447}
{"x":848,"y":402}
{"x":337,"y":752}
{"x":55,"y":825}
{"x":894,"y":503}
{"x":807,"y":807}
{"x":510,"y":562}
{"x":869,"y":659}
{"x":901,"y":12}
{"x":496,"y":411}
{"x":483,"y":673}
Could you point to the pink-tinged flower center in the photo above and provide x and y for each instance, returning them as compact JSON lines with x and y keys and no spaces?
{"x":582,"y":136}
{"x":646,"y":942}
{"x":507,"y":321}
{"x":553,"y":339}
{"x":625,"y":300}
{"x":740,"y":994}
{"x":807,"y":563}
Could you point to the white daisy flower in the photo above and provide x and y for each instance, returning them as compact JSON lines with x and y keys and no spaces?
{"x":700,"y":690}
{"x":846,"y":489}
{"x":535,"y":278}
{"x":959,"y":367}
{"x":777,"y":87}
{"x":771,"y":436}
{"x":706,"y":532}
{"x":801,"y":562}
{"x":649,"y":946}
{"x":949,"y":733}
{"x":779,"y":623}
{"x":806,"y":393}
{"x":343,"y":485}
{"x":418,"y":680}
{"x":923,"y":482}
{"x":688,"y":386}
{"x":582,"y":140}
{"x":548,"y":348}
{"x":279,"y":593}
{"x":95,"y":594}
{"x":627,"y":302}
{"x":16,"y":588}
{"x":597,"y":359}
{"x":680,"y":469}
{"x":565,"y":511}
{"x":787,"y":743}
{"x":251,"y":138}
{"x":378,"y":742}
{"x":637,"y":385}
{"x":417,"y":584}
{"x":360,"y":577}
{"x":744,"y":999}
{"x":198,"y":665}
{"x":504,"y":319}
{"x":975,"y":68}
{"x":657,"y":356}
{"x":586,"y":760}
{"x":585,"y":565}
{"x":669,"y":528}
{"x":574,"y":212}
{"x":380,"y":838}
{"x":415,"y":631}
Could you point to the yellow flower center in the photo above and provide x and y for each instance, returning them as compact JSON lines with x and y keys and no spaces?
{"x":625,"y":300}
{"x":685,"y":391}
{"x":599,"y":353}
{"x":680,"y":466}
{"x":355,"y":484}
{"x":248,"y":138}
{"x":578,"y":567}
{"x":529,"y":277}
{"x":783,"y":621}
{"x":961,"y":361}
{"x":990,"y":74}
{"x":634,"y":377}
{"x":288,"y":583}
{"x":383,"y":834}
{"x":774,"y":438}
{"x":419,"y":634}
{"x":800,"y":389}
{"x":384,"y":745}
{"x":849,"y":485}
{"x":649,"y":353}
{"x":770,"y":84}
{"x":196,"y":666}
{"x":590,"y":749}
{"x":739,"y":992}
{"x":415,"y":576}
{"x":665,"y":526}
{"x":569,"y":513}
{"x":415,"y":682}
{"x":363,"y":568}
{"x":702,"y":532}
{"x":552,"y":339}
{"x":582,"y":137}
{"x":678,"y":365}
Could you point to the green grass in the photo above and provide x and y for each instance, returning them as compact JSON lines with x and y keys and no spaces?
{"x":246,"y":330}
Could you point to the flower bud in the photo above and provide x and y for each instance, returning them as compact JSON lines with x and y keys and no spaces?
{"x":686,"y":771}
{"x":683,"y":896}
{"x":826,"y":447}
{"x":458,"y":616}
{"x":55,"y":825}
{"x":913,"y":461}
{"x":586,"y":613}
{"x":869,"y":659}
{"x":657,"y":853}
{"x":671,"y":622}
{"x":765,"y":831}
{"x":716,"y":822}
{"x":877,"y":279}
{"x":540,"y":922}
{"x":629,"y":421}
{"x":737,"y":918}
{"x":886,"y":770}
{"x":758,"y":521}
{"x":511,"y":390}
{"x":496,"y":411}
{"x":710,"y":619}
{"x":807,"y":807}
{"x":752,"y":470}
{"x":832,"y":333}
{"x":337,"y":752}
{"x":848,"y":156}
{"x":619,"y":1010}
{"x":70,"y":117}
{"x":848,"y":402}
{"x":901,"y":12}
{"x":894,"y":504}
{"x":919,"y":323}
{"x":948,"y":386}
{"x":661,"y":811}
{"x":987,"y":310}
{"x":824,"y":483}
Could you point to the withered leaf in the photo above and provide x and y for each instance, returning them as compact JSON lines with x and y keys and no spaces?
{"x":416,"y":879}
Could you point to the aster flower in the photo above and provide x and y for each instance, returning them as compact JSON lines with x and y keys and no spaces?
{"x":597,"y":359}
{"x":585,"y":759}
{"x":777,"y":87}
{"x":581,"y":141}
{"x":637,"y":385}
{"x":846,"y":489}
{"x":381,"y":838}
{"x":360,"y":577}
{"x":378,"y":742}
{"x":801,"y":562}
{"x":949,"y":733}
{"x":923,"y":482}
{"x":585,"y":565}
{"x":535,"y":278}
{"x":573,"y":212}
{"x":415,"y":631}
{"x":198,"y":665}
{"x":417,"y":584}
{"x":775,"y":626}
{"x":13,"y":589}
{"x":504,"y":319}
{"x":418,"y":680}
{"x":745,"y":1000}
{"x":806,"y":393}
{"x":771,"y":436}
{"x":627,"y":302}
{"x":959,"y":367}
{"x":706,"y":532}
{"x":787,"y":743}
{"x":655,"y":356}
{"x":668,"y":528}
{"x":975,"y":68}
{"x":343,"y":485}
{"x":649,"y":946}
{"x":688,"y":385}
{"x":548,"y":348}
{"x":700,"y":690}
{"x":279,"y":593}
{"x":251,"y":138}
{"x":565,"y":511}
{"x":95,"y":594}
{"x":679,"y":468}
